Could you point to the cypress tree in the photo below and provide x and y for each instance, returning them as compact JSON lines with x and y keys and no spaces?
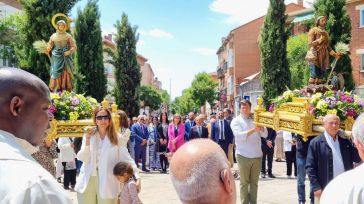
{"x":339,"y":28}
{"x":90,"y":71}
{"x":273,"y":41}
{"x":38,"y":26}
{"x":127,"y":70}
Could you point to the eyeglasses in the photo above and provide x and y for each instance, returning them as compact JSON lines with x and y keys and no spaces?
{"x":103,"y":117}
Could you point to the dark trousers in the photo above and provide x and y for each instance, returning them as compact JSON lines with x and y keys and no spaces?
{"x":69,"y":176}
{"x":224,"y":146}
{"x":291,"y":159}
{"x":267,"y":156}
{"x":141,"y":152}
{"x":164,"y":161}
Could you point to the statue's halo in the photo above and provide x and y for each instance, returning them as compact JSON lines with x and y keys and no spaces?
{"x":68,"y":23}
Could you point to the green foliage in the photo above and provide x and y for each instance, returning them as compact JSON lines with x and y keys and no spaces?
{"x":37,"y":26}
{"x":203,"y":89}
{"x":184,"y":103}
{"x":127,"y":70}
{"x":339,"y":29}
{"x":166,"y":98}
{"x":296,"y":50}
{"x":9,"y":41}
{"x":90,"y":71}
{"x":273,"y":40}
{"x":150,"y":96}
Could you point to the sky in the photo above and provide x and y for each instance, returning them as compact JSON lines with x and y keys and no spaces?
{"x":180,"y":38}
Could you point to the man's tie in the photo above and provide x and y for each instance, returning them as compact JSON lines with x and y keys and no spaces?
{"x":221,"y":130}
{"x":199,"y":131}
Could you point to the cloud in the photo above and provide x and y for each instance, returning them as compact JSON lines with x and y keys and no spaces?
{"x":242,"y":11}
{"x":158,"y":33}
{"x":205,"y":51}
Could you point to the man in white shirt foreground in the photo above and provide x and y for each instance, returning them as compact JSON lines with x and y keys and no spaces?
{"x":349,"y":186}
{"x":200,"y":173}
{"x":248,"y":152}
{"x":24,"y":118}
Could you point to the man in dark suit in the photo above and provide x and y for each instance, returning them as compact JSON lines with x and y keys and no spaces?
{"x":190,"y":122}
{"x":140,"y":133}
{"x":329,"y":155}
{"x":268,"y":151}
{"x":198,"y":131}
{"x":222,"y":133}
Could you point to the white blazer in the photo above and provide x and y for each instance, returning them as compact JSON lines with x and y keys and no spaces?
{"x":110,"y":155}
{"x":287,"y":137}
{"x":66,"y":152}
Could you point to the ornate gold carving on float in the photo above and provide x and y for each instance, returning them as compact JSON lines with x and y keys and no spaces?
{"x":68,"y":128}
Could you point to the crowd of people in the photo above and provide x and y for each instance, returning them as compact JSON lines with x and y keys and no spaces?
{"x":107,"y":160}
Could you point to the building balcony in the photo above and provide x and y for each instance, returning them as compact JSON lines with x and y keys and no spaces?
{"x":220,"y":73}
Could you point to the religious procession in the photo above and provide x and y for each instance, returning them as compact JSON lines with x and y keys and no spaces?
{"x":84,"y":118}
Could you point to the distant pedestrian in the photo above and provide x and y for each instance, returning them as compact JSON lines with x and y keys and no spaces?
{"x":129,"y":192}
{"x":222,"y":133}
{"x":154,"y":163}
{"x":140,"y":133}
{"x":268,"y":151}
{"x":279,"y":153}
{"x":176,"y":132}
{"x":68,"y":159}
{"x":198,"y":131}
{"x":189,"y":123}
{"x":124,"y":129}
{"x":289,"y":146}
{"x":163,"y":141}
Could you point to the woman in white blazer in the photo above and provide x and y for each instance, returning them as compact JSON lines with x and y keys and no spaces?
{"x":124,"y":128}
{"x":67,"y":156}
{"x":100,"y":151}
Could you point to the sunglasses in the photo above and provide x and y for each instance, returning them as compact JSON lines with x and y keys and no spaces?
{"x":103,"y":117}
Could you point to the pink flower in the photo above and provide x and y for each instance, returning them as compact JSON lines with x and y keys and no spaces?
{"x":271,"y":108}
{"x":52,"y":109}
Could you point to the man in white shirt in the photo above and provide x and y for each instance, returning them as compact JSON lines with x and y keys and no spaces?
{"x":248,"y":152}
{"x":349,"y":185}
{"x":24,"y":118}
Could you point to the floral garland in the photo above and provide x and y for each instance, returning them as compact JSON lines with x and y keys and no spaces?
{"x":342,"y":104}
{"x":71,"y":106}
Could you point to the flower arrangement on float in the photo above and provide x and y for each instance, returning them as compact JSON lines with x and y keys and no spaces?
{"x":342,"y":104}
{"x":71,"y":106}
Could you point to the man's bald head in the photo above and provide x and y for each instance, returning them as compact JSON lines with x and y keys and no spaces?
{"x":24,"y":101}
{"x":200,"y":173}
{"x":17,"y":82}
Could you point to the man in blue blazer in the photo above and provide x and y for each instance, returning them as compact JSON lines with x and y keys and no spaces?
{"x":140,"y":132}
{"x":221,"y":133}
{"x":190,"y":122}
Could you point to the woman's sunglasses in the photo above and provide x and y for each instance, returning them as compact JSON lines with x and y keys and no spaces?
{"x":103,"y":117}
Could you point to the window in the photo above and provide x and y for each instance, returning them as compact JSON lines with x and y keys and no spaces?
{"x":362,"y":62}
{"x":230,"y":58}
{"x":361,"y":18}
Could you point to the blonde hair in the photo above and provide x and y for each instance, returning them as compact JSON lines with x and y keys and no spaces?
{"x":111,"y":133}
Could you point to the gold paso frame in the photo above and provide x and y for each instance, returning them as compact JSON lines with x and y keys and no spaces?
{"x":68,"y":128}
{"x":295,"y":117}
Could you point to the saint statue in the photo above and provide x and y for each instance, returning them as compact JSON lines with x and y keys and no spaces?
{"x":319,"y":51}
{"x":60,"y":48}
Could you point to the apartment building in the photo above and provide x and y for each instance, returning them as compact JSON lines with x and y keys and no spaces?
{"x":239,"y":58}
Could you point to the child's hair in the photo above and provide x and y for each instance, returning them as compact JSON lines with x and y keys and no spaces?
{"x":123,"y":167}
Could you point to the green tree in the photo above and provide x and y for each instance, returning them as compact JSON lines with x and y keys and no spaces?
{"x":339,"y":28}
{"x":150,"y":96}
{"x":37,"y":26}
{"x":9,"y":38}
{"x":90,"y":71}
{"x":184,"y":103}
{"x":127,"y":70}
{"x":273,"y":42}
{"x":203,"y":89}
{"x":296,"y":51}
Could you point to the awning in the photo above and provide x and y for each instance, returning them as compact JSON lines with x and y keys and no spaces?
{"x":304,"y":17}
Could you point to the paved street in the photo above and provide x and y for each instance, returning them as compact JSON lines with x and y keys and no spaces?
{"x":157,"y":188}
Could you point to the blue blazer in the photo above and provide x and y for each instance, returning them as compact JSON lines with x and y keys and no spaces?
{"x":188,"y":128}
{"x":138,"y":134}
{"x":229,"y":136}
